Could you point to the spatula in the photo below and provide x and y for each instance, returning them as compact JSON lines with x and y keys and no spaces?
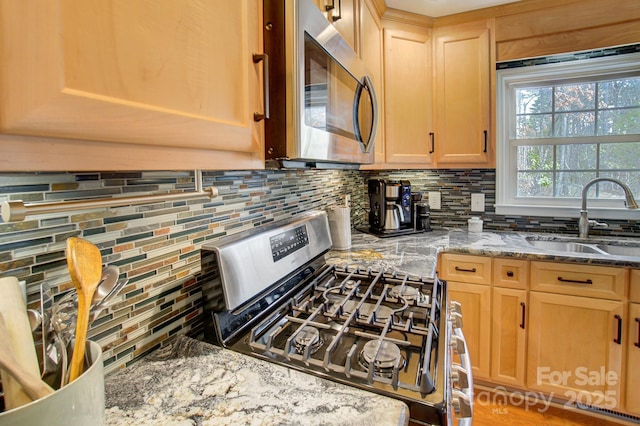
{"x":31,"y":384}
{"x":85,"y":267}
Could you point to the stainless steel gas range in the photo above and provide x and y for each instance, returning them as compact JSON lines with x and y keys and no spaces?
{"x":268,"y":293}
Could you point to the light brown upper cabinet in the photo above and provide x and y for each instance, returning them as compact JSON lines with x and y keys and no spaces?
{"x":175,"y":74}
{"x":408,"y":106}
{"x":344,"y":15}
{"x":371,"y":54}
{"x":462,"y":97}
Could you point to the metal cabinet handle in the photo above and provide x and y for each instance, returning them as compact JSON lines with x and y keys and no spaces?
{"x":485,"y":141}
{"x":523,"y":306}
{"x":510,"y":274}
{"x":457,"y":268}
{"x":637,"y":344}
{"x":618,"y":339}
{"x":562,"y":280}
{"x":432,"y":136}
{"x":332,"y":6}
{"x":259,"y":57}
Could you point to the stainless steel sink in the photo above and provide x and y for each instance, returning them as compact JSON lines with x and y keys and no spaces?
{"x":618,"y":250}
{"x":597,"y":247}
{"x":567,"y":246}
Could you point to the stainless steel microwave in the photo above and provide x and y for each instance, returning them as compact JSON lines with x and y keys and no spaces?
{"x":320,"y":103}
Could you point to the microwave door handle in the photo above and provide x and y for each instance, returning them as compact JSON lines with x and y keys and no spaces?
{"x":366,"y":82}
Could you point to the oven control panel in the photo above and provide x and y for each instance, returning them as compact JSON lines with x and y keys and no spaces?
{"x":288,"y":242}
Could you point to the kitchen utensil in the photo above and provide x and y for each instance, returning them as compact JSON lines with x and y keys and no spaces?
{"x":19,"y":341}
{"x":30,"y":383}
{"x":85,"y":267}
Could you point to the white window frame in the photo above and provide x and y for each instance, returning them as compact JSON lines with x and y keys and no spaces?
{"x":507,"y":80}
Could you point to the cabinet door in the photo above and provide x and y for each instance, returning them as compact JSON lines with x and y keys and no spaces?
{"x":508,"y":336}
{"x":632,"y":376}
{"x":171,"y":73}
{"x":408,"y":108}
{"x":462,"y":95}
{"x":475,"y":300}
{"x":371,"y":54}
{"x":573,"y":349}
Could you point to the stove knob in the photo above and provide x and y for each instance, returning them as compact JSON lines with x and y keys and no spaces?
{"x":457,"y":344}
{"x":456,"y":319}
{"x":461,"y":403}
{"x":459,"y":376}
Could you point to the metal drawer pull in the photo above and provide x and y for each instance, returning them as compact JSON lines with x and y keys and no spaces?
{"x":257,"y":57}
{"x":510,"y":273}
{"x":618,"y":339}
{"x":432,"y":136}
{"x":522,"y":305}
{"x":637,"y":344}
{"x":562,"y":280}
{"x":457,"y":268}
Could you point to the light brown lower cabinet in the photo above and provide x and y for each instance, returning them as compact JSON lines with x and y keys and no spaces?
{"x":508,"y":336}
{"x":574,"y":348}
{"x":632,"y":376}
{"x":475,"y":300}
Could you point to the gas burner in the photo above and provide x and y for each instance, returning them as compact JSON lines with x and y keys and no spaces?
{"x":389,"y":357}
{"x":383,"y":313}
{"x":350,"y":284}
{"x":408,"y":293}
{"x":307,"y":336}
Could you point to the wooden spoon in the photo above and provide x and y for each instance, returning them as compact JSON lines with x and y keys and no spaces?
{"x":85,"y":267}
{"x":32,"y":385}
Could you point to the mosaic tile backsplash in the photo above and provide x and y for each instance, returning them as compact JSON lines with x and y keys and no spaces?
{"x":156,"y":246}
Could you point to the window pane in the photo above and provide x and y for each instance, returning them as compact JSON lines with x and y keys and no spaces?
{"x":535,"y":157}
{"x":619,"y":93}
{"x":576,"y":157}
{"x":631,"y":178}
{"x":533,"y":100}
{"x":575,"y":97}
{"x":533,"y":126}
{"x":570,"y":184}
{"x":569,"y":125}
{"x":535,"y":184}
{"x":618,"y":156}
{"x":619,"y":122}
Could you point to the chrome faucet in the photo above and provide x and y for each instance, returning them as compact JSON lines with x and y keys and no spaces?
{"x":583,"y":223}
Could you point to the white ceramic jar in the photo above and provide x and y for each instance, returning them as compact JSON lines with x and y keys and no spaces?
{"x":475,"y":224}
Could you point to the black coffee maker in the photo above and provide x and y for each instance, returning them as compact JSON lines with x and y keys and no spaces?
{"x":390,"y":206}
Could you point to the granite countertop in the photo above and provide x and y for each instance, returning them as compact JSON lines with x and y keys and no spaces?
{"x":416,"y":254}
{"x":194,"y":383}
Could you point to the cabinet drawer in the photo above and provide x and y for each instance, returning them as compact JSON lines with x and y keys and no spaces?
{"x":634,"y":286}
{"x":510,"y":273}
{"x":464,"y":268}
{"x":579,"y":280}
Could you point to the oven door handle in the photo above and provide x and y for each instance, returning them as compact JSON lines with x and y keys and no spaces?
{"x":463,"y":398}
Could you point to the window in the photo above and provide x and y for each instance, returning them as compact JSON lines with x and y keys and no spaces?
{"x":562,"y":124}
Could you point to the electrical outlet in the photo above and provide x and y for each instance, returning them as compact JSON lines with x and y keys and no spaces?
{"x":477,"y":202}
{"x":434,"y":200}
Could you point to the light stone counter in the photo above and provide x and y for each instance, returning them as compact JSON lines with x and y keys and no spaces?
{"x":195,"y":383}
{"x":417,"y":254}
